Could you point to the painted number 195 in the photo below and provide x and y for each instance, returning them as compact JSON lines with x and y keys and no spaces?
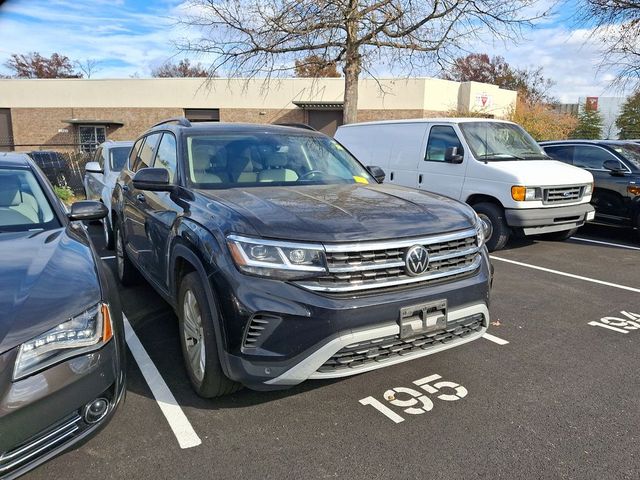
{"x":415,"y":402}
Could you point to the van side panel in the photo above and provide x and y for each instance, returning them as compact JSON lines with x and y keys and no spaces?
{"x":368,"y":143}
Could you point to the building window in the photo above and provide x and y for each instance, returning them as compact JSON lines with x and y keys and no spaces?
{"x":91,"y":136}
{"x":202,"y":114}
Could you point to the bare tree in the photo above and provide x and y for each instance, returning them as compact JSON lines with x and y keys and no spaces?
{"x":34,"y":65}
{"x":252,"y":37}
{"x":616,"y":23}
{"x":182,"y":69}
{"x":88,"y":67}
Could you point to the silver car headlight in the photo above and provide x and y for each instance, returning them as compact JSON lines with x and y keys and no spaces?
{"x":276,"y":259}
{"x":81,"y":334}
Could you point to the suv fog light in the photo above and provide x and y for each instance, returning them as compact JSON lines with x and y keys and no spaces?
{"x":96,"y":410}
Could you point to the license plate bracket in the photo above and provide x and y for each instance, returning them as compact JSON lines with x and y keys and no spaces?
{"x":423,"y":318}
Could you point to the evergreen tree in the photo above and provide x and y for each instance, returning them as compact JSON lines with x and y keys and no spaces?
{"x":629,"y":120}
{"x":589,"y":125}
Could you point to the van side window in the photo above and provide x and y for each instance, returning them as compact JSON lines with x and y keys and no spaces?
{"x":441,"y":137}
{"x":135,"y":152}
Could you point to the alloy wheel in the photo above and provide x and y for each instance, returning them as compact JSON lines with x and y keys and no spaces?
{"x":193,"y":334}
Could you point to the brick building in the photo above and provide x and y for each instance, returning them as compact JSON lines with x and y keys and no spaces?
{"x":75,"y":114}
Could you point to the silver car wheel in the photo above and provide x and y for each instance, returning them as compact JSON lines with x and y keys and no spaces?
{"x":193,"y":335}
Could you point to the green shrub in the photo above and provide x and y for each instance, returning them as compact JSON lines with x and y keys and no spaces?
{"x":63,"y":192}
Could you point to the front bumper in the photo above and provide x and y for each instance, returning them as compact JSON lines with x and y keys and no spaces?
{"x":41,"y":415}
{"x":304,"y":329}
{"x":535,"y":221}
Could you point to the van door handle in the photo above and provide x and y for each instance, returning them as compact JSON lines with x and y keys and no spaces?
{"x":420,"y":178}
{"x":140,"y":197}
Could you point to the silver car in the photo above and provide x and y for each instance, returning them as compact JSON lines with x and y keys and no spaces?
{"x":101,"y":175}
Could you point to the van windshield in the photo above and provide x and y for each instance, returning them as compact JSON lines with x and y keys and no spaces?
{"x":495,"y":141}
{"x":269,"y":159}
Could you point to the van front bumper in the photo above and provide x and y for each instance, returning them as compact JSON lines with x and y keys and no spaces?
{"x":535,"y":221}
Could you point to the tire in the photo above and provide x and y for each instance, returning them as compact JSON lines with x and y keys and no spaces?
{"x":636,"y":226}
{"x":499,"y":231}
{"x":560,"y":236}
{"x":108,"y":233}
{"x":198,"y":340}
{"x":127,"y":273}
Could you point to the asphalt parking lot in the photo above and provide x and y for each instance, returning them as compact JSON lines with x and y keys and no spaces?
{"x":559,"y":400}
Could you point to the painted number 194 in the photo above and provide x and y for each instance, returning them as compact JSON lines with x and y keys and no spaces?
{"x":414,"y":402}
{"x":631,"y":321}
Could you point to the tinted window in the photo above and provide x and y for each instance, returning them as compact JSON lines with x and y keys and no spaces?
{"x":145,"y":157}
{"x":118,"y":157}
{"x":167,"y":155}
{"x":135,"y":151}
{"x":23,"y":204}
{"x":562,"y":153}
{"x":587,"y":156}
{"x":441,"y":138}
{"x":98,"y":157}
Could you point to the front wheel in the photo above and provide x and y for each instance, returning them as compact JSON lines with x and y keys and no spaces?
{"x":127,"y":273}
{"x":108,"y":233}
{"x":498,"y":232}
{"x":560,"y":236}
{"x":198,"y":340}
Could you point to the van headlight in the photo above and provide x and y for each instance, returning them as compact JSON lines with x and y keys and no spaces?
{"x":81,"y":334}
{"x":276,"y":259}
{"x":588,"y":189}
{"x":481,"y":230}
{"x":522,"y":194}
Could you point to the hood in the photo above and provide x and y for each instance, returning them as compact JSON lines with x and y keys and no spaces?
{"x":535,"y":173}
{"x":45,"y":279}
{"x":334,"y":213}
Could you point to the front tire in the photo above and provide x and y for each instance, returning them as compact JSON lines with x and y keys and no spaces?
{"x":108,"y":233}
{"x":198,"y":340}
{"x":560,"y":236}
{"x":493,"y":216}
{"x":127,"y":273}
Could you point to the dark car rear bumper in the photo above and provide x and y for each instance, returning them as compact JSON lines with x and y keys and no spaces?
{"x":42,"y":415}
{"x":304,"y":330}
{"x":536,"y":221}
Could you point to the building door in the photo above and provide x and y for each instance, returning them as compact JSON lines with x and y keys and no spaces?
{"x":6,"y":133}
{"x":325,"y":121}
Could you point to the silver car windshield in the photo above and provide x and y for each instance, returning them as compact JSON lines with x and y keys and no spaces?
{"x":495,"y":141}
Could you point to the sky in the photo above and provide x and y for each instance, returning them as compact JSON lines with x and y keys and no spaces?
{"x":131,"y":37}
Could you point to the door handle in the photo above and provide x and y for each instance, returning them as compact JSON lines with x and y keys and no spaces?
{"x":420,"y":178}
{"x":140,"y":197}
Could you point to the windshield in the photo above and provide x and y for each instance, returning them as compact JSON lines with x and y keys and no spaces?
{"x":261,"y":159}
{"x":23,"y":205}
{"x":630,"y":152}
{"x":495,"y":141}
{"x":118,"y":157}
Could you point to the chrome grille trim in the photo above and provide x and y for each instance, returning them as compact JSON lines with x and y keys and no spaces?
{"x":562,"y":194}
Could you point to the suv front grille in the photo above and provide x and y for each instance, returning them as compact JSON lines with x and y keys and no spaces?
{"x":381,"y":349}
{"x":567,"y":194}
{"x":379,"y":265}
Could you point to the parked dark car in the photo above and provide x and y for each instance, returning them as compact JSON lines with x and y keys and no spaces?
{"x":285,"y":259}
{"x":615,"y":166}
{"x":61,"y":337}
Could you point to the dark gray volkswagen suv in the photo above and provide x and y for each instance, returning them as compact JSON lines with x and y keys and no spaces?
{"x":61,"y":340}
{"x":286,"y":259}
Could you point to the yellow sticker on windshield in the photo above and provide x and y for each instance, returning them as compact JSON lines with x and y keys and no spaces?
{"x":360,"y":180}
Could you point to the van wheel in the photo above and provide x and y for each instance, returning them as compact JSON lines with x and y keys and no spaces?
{"x":493,"y":216}
{"x":560,"y":236}
{"x":197,"y":337}
{"x":127,"y":273}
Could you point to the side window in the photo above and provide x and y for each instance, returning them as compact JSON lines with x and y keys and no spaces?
{"x":167,"y":156}
{"x":587,"y":156}
{"x":134,"y":153}
{"x":441,"y":137}
{"x":97,"y":157}
{"x":145,"y":157}
{"x":562,"y":153}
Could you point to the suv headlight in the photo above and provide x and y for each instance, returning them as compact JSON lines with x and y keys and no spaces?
{"x":81,"y":334}
{"x":521,"y":194}
{"x":277,"y":259}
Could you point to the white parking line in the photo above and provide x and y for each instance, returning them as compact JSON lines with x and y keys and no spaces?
{"x":494,"y":339}
{"x":619,"y":245}
{"x":565,"y":274}
{"x":179,"y":423}
{"x":108,"y":258}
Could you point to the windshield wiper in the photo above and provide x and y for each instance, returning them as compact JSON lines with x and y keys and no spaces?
{"x":500,"y":156}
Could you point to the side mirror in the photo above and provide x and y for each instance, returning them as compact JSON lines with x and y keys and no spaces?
{"x":87,"y":210}
{"x":451,"y":155}
{"x":615,"y":168}
{"x":377,"y":173}
{"x":153,"y":180}
{"x":93,"y":167}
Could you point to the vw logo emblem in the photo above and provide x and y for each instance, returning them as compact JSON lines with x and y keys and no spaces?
{"x":416,"y":260}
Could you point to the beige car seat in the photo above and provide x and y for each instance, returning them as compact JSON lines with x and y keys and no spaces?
{"x":276,"y":169}
{"x":16,"y":207}
{"x":201,"y":165}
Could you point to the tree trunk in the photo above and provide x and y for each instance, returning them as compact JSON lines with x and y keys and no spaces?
{"x":351,"y":75}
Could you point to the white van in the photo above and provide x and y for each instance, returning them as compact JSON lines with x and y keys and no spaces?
{"x":492,"y":165}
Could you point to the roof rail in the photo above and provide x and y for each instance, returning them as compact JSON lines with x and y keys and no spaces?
{"x":179,"y":120}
